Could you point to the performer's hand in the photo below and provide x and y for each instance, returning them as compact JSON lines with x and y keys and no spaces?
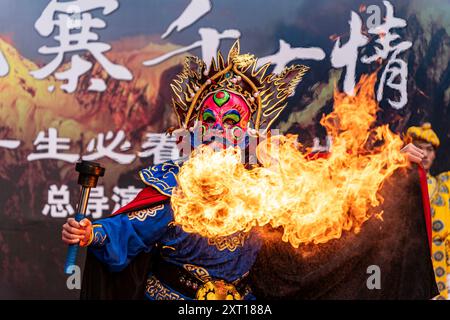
{"x":77,"y":232}
{"x":413,"y":153}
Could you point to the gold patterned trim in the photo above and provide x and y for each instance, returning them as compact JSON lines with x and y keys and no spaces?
{"x":199,"y":272}
{"x":230,"y":243}
{"x":99,"y":237}
{"x":143,"y":214}
{"x":154,"y":185}
{"x":147,"y":176}
{"x":156,"y":290}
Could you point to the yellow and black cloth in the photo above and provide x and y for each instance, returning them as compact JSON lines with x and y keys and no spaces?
{"x":438,"y":188}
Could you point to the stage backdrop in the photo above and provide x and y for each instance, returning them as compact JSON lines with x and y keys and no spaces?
{"x":90,"y":79}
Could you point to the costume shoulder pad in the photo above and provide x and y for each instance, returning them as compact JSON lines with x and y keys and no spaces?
{"x":162,"y":177}
{"x":148,"y":198}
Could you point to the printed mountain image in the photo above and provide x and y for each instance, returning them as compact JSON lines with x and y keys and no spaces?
{"x":27,"y":107}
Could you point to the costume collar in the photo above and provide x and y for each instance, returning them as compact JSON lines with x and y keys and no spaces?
{"x":162,"y":176}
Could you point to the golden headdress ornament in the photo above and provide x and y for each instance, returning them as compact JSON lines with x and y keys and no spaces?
{"x":265,"y":94}
{"x":424,"y":132}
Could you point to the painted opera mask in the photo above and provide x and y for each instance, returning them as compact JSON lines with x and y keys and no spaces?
{"x":224,"y":116}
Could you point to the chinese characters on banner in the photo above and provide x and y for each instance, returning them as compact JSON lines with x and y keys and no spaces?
{"x":113,"y":146}
{"x":211,"y":39}
{"x":75,"y":24}
{"x":67,"y":17}
{"x":98,"y":149}
{"x":395,"y":68}
{"x":50,"y":146}
{"x":4,"y":67}
{"x":346,"y":56}
{"x":58,"y":203}
{"x":9,"y":144}
{"x":4,"y":70}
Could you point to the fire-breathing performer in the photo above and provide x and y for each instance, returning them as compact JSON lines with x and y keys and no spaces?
{"x":141,"y":251}
{"x":230,"y":98}
{"x":427,"y":140}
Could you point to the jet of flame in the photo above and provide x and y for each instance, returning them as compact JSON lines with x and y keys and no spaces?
{"x":314,"y":200}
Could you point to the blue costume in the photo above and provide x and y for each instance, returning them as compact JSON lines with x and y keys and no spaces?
{"x":233,"y":94}
{"x":119,"y":239}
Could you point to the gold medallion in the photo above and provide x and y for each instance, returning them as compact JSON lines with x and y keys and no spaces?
{"x":217,"y":290}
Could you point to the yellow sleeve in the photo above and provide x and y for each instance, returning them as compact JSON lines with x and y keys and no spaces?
{"x":444,"y":191}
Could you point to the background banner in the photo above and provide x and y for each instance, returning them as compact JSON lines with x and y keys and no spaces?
{"x":90,"y":79}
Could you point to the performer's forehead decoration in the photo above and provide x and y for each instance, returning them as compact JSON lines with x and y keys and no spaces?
{"x":232,"y":93}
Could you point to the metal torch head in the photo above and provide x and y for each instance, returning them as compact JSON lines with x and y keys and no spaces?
{"x":89,"y":172}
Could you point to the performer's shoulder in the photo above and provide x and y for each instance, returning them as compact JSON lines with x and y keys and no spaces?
{"x":149,"y":197}
{"x":162,"y":176}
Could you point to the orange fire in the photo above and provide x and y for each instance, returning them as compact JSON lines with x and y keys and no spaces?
{"x":313,"y":200}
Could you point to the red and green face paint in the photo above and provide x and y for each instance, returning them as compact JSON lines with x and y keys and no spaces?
{"x":226,"y":112}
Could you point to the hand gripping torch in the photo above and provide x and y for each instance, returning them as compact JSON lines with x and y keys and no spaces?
{"x":89,"y":172}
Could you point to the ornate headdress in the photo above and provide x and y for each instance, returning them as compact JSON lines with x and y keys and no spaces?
{"x":264,"y":93}
{"x":425,"y":133}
